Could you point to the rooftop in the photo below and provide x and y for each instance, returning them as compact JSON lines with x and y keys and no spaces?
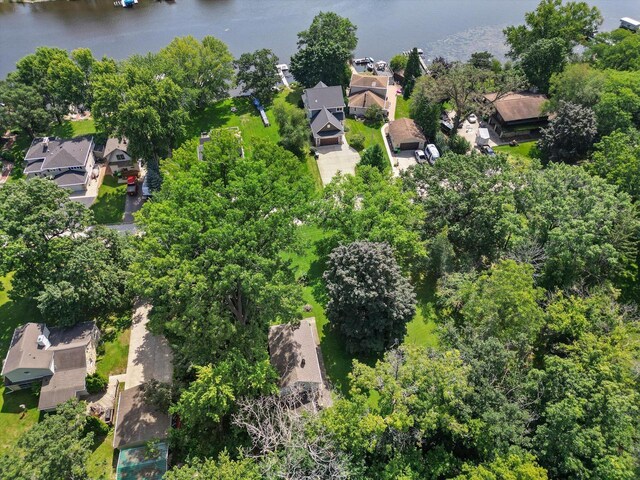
{"x":370,"y":81}
{"x":114,"y":144}
{"x":366,"y":99}
{"x":138,"y":422}
{"x":324,"y":119}
{"x":59,"y":153}
{"x":519,"y":106}
{"x":323,"y":96}
{"x":404,"y":129}
{"x":294,"y":353}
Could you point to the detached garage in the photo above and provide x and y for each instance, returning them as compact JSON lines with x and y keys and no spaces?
{"x":406,"y":135}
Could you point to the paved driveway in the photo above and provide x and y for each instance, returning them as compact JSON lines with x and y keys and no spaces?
{"x":336,"y":158}
{"x":149,"y":355}
{"x":133,"y":203}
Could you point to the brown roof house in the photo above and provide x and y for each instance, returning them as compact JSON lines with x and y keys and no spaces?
{"x":517,"y":114}
{"x":296,"y":355}
{"x":366,"y":91}
{"x":325,"y":111}
{"x":58,"y":358}
{"x":405,"y":134}
{"x":68,"y":163}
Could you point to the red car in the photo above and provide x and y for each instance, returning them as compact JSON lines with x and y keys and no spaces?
{"x":132,"y":186}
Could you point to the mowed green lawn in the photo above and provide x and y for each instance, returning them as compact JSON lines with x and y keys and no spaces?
{"x":12,"y":424}
{"x":109,"y":206}
{"x":524,"y":149}
{"x":402,"y":107}
{"x":70,"y":129}
{"x":114,"y":359}
{"x":371,"y":135}
{"x":101,"y":463}
{"x":421,"y":330}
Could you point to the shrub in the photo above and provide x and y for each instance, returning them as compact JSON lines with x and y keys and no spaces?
{"x":374,"y":116}
{"x":96,"y":382}
{"x":458,"y":144}
{"x":357,"y":141}
{"x":374,"y":157}
{"x":97,"y":426}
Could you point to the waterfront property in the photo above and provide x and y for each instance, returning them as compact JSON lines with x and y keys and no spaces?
{"x":367,"y":91}
{"x":69,"y":163}
{"x":58,"y":358}
{"x":518,"y":114}
{"x":325,"y":111}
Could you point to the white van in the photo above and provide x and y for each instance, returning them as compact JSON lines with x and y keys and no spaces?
{"x":432,"y":153}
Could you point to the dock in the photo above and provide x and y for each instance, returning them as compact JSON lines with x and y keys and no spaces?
{"x":281,"y":69}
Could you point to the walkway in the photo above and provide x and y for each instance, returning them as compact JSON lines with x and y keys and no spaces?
{"x":149,"y":355}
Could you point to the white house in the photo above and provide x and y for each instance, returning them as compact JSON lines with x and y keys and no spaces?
{"x":68,"y":163}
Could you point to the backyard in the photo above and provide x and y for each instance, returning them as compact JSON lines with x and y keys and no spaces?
{"x":240,"y":112}
{"x":371,"y":135}
{"x":109,"y":205}
{"x":522,"y":151}
{"x":420,"y":331}
{"x":402,"y":107}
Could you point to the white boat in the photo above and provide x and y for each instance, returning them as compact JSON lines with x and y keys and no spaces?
{"x":630,"y":24}
{"x":283,"y":67}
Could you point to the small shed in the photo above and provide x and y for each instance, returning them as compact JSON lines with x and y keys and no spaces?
{"x":406,"y":135}
{"x":482,"y":137}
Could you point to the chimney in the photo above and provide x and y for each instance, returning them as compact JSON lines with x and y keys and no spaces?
{"x":43,"y":341}
{"x":45,"y":143}
{"x":302,"y":363}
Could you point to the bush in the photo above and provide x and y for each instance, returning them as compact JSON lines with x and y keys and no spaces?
{"x":398,"y":62}
{"x":374,"y":157}
{"x":441,"y":142}
{"x":97,"y":426}
{"x":458,"y":144}
{"x":357,"y":141}
{"x":96,"y":383}
{"x":374,"y":116}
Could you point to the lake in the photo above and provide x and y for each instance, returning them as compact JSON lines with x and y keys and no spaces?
{"x":451,"y":28}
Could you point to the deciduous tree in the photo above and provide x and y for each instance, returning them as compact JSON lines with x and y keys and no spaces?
{"x":257,"y":74}
{"x":544,"y":58}
{"x":570,"y":135}
{"x":374,"y":157}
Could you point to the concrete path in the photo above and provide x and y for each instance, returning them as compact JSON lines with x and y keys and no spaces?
{"x":149,"y":355}
{"x":392,"y":96}
{"x":336,"y":158}
{"x":133,"y":203}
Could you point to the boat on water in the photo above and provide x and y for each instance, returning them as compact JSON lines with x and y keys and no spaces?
{"x":283,"y":67}
{"x":363,"y":61}
{"x":128,"y":3}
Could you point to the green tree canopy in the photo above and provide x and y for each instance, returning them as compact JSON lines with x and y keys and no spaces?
{"x":223,"y":468}
{"x":544,"y":58}
{"x":257,"y":74}
{"x":619,"y":50}
{"x":412,"y":72}
{"x":374,"y":157}
{"x":573,"y":22}
{"x":370,"y":302}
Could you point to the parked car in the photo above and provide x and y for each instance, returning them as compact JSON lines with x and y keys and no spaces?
{"x":132,"y":186}
{"x":420,"y":156}
{"x":432,"y":153}
{"x":446,"y":126}
{"x":487,"y":150}
{"x":472,"y":118}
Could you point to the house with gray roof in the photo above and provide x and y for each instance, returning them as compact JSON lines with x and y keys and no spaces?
{"x":295,"y":353}
{"x":325,"y":110}
{"x":117,"y":156}
{"x":58,"y":358}
{"x":69,"y":163}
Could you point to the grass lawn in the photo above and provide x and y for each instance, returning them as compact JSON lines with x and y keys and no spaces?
{"x":13,"y":314}
{"x":70,"y":129}
{"x":109,"y":206}
{"x":371,"y":135}
{"x":420,"y":331}
{"x":101,"y":462}
{"x":402,"y":107}
{"x":523,"y":149}
{"x":114,"y":359}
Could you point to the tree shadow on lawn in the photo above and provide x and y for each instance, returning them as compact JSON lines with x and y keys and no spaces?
{"x":218,"y":115}
{"x":65,"y":130}
{"x":109,"y":207}
{"x":11,"y":401}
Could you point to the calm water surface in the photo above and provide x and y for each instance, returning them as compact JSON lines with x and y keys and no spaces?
{"x":452,"y":28}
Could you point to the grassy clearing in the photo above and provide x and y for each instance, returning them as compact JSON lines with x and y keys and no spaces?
{"x":371,"y":135}
{"x":71,"y":129}
{"x":114,"y":359}
{"x":12,"y":426}
{"x":109,"y":206}
{"x":421,"y":330}
{"x":524,"y":149}
{"x":402,"y":107}
{"x":101,"y":462}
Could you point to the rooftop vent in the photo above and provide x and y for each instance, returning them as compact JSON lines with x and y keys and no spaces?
{"x":45,"y":143}
{"x":43,"y":341}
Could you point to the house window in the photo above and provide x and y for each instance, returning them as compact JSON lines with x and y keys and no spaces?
{"x":120,"y":156}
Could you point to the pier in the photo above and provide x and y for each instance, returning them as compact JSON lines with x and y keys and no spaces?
{"x":281,"y":69}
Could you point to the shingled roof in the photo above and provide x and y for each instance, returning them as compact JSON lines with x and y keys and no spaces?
{"x":370,"y":81}
{"x":366,"y":99}
{"x":323,"y":96}
{"x":323,"y":119}
{"x":59,"y":153}
{"x":137,"y":421}
{"x":515,"y":107}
